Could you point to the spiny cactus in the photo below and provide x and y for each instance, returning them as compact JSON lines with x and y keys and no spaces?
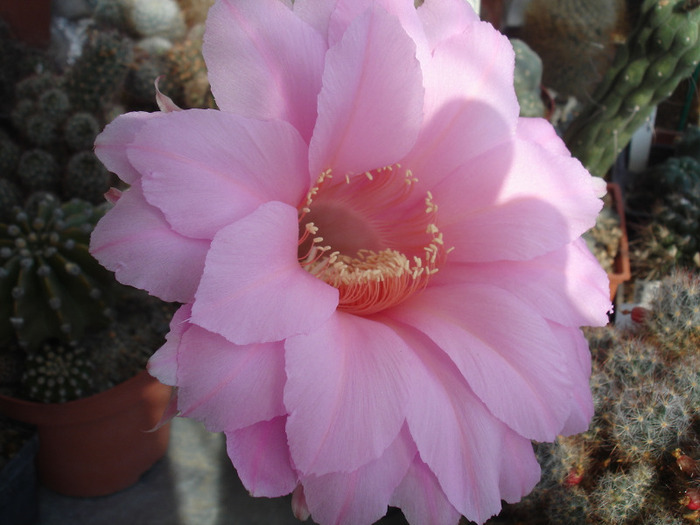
{"x":661,"y":51}
{"x":575,"y":40}
{"x":528,"y":79}
{"x":155,"y":18}
{"x":86,"y":177}
{"x":57,"y":372}
{"x":50,"y":286}
{"x":638,"y":463}
{"x":664,"y":202}
{"x":97,"y":76}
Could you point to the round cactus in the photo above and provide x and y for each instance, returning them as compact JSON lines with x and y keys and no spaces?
{"x":57,"y":372}
{"x":80,"y":131}
{"x":86,"y":178}
{"x":639,"y":461}
{"x":38,"y":170}
{"x":50,"y":286}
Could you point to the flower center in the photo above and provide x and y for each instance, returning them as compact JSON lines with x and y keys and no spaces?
{"x":365,"y":237}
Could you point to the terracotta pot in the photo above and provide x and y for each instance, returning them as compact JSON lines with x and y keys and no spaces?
{"x":100,"y":444}
{"x":622,"y":269}
{"x":29,"y":20}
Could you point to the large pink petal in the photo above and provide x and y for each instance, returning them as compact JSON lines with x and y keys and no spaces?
{"x":345,"y":394}
{"x":519,"y":470}
{"x":370,"y":106}
{"x":421,"y":498}
{"x":462,"y":443}
{"x":264,"y":62}
{"x":261,"y":457}
{"x":470,"y":103}
{"x":515,"y":202}
{"x":206,"y":169}
{"x":118,"y":135}
{"x":505,"y":351}
{"x":135,"y":241}
{"x":226,"y":386}
{"x":253,"y":289}
{"x":163,"y":363}
{"x":567,"y":286}
{"x":361,"y":496}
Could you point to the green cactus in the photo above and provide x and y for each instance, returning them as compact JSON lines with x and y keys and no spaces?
{"x":86,"y":178}
{"x":38,"y":170}
{"x":80,"y":131}
{"x":640,"y":454}
{"x":669,"y":235}
{"x":98,"y":75}
{"x":50,"y":286}
{"x":58,"y":372}
{"x":661,"y":51}
{"x":528,"y":79}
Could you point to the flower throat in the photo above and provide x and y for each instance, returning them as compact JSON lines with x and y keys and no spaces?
{"x":364,"y":236}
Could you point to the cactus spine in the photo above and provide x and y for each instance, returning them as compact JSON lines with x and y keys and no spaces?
{"x":661,"y":51}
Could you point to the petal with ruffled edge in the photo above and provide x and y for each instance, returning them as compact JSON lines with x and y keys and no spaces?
{"x":346,"y":11}
{"x":370,"y":105}
{"x":264,"y":62}
{"x":464,"y":445}
{"x":136,"y":242}
{"x":442,"y":19}
{"x":345,"y":393}
{"x":470,"y":105}
{"x":111,"y":144}
{"x":498,"y":207}
{"x":253,"y":289}
{"x":575,"y":347}
{"x":567,"y":286}
{"x":205,"y":169}
{"x":505,"y":351}
{"x":261,"y":457}
{"x":226,"y":386}
{"x":432,"y":507}
{"x":361,"y":496}
{"x":163,"y":363}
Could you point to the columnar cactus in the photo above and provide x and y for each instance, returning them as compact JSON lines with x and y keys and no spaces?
{"x":661,"y":51}
{"x":50,"y":286}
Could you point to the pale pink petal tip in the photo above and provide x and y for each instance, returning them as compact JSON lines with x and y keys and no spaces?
{"x":165,"y":103}
{"x":299,"y":506}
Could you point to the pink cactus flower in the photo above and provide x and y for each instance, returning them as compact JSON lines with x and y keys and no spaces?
{"x":379,"y":263}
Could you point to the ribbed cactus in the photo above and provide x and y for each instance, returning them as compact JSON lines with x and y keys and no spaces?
{"x":528,"y":79}
{"x":50,"y":286}
{"x":662,"y":50}
{"x":638,"y":462}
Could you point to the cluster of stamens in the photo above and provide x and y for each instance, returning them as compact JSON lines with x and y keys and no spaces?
{"x":370,"y":281}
